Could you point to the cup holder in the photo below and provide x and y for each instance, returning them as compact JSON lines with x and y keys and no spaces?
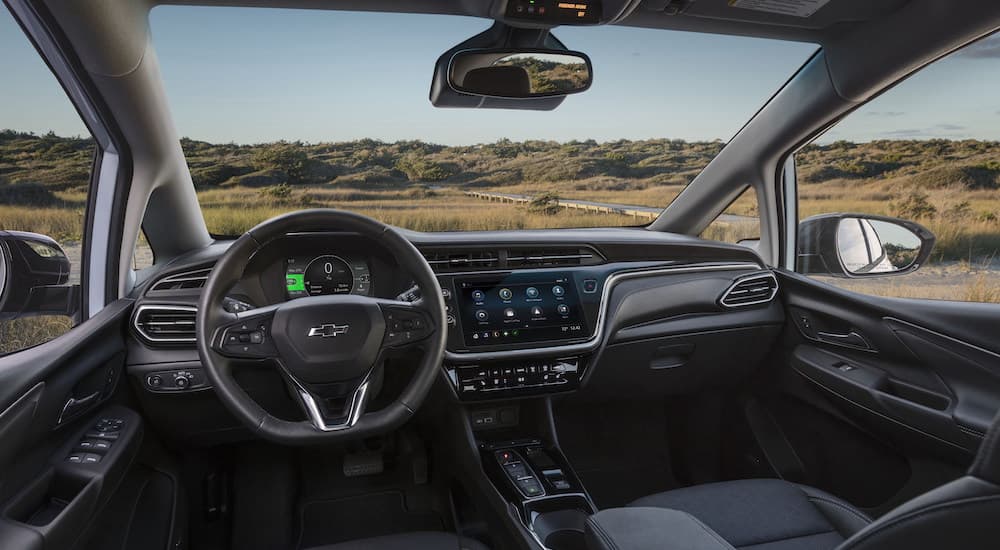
{"x":561,"y":529}
{"x":559,"y":522}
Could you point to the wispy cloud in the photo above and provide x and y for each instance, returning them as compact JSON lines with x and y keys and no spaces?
{"x":987,"y":48}
{"x":886,"y":113}
{"x":938,"y":130}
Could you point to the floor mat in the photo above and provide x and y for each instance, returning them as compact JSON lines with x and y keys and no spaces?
{"x":363,"y":516}
{"x":619,"y":451}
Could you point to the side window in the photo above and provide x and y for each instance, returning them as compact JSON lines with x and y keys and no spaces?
{"x":739,"y":222}
{"x":919,"y":163}
{"x":46,"y":155}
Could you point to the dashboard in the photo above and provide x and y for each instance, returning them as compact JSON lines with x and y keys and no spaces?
{"x":605,"y":312}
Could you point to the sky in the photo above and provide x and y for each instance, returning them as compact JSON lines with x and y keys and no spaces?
{"x":255,"y":75}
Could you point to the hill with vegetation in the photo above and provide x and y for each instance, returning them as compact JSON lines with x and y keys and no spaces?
{"x":951,"y":186}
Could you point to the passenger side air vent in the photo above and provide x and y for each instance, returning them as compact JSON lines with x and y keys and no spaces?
{"x":549,"y":257}
{"x":750,"y":290}
{"x":162,"y":324}
{"x":180,"y":281}
{"x":458,"y":260}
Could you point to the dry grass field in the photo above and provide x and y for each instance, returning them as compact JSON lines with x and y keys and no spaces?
{"x":952,"y":187}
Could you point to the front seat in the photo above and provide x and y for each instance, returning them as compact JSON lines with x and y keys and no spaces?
{"x":770,"y":514}
{"x":420,"y":540}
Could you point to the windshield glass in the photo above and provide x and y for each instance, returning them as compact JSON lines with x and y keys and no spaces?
{"x":287,"y":109}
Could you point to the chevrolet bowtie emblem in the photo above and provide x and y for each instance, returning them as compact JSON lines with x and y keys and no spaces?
{"x":329,"y":330}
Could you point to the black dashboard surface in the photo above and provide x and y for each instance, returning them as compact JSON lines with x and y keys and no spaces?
{"x":611,"y":306}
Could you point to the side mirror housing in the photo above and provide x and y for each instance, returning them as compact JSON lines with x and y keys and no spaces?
{"x":34,"y":272}
{"x":861,"y":245}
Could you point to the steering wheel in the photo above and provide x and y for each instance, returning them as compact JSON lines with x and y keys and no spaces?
{"x":327,"y":348}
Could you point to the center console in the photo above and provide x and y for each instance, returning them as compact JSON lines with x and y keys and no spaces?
{"x":520,"y":333}
{"x":550,"y":500}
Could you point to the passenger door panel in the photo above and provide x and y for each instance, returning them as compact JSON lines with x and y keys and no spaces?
{"x":923,"y":368}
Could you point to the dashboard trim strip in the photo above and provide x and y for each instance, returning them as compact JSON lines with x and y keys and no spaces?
{"x":594,"y":340}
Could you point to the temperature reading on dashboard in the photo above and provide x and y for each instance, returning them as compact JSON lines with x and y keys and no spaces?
{"x":327,"y":274}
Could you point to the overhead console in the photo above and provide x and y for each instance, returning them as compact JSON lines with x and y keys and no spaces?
{"x":555,"y":12}
{"x":551,"y":13}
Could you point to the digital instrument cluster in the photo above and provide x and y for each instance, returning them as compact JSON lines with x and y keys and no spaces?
{"x":327,"y":274}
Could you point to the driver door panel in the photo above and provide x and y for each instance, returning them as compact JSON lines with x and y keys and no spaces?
{"x":52,"y":398}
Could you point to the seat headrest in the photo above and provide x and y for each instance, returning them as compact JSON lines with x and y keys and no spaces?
{"x":505,"y":80}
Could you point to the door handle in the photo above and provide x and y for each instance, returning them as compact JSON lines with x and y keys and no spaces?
{"x":851,"y":339}
{"x":75,"y":404}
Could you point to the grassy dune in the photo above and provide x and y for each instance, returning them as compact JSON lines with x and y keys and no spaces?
{"x":952,"y":187}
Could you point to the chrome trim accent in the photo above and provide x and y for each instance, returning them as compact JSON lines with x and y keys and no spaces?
{"x":159,"y":340}
{"x":598,"y":335}
{"x":356,"y":409}
{"x":741,"y":280}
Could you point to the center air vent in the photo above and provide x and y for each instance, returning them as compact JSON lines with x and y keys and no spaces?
{"x":750,"y":290}
{"x":464,"y":260}
{"x":181,"y":281}
{"x":158,"y":324}
{"x":549,"y":257}
{"x":443,"y":261}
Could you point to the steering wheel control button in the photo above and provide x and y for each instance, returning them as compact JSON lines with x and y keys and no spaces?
{"x":405,"y":327}
{"x":248,"y":338}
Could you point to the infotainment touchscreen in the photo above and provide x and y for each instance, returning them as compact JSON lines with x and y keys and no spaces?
{"x":520,"y":308}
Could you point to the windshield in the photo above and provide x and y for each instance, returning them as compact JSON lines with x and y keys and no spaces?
{"x":286,"y":109}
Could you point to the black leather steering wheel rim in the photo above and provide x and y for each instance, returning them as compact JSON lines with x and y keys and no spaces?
{"x":213,"y":325}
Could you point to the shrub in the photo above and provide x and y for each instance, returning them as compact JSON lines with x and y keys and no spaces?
{"x":289,"y":158}
{"x":914,"y":206}
{"x":282,"y":191}
{"x":546,"y":203}
{"x":418,"y":168}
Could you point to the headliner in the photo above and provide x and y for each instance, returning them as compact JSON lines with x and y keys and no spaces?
{"x":707,"y":16}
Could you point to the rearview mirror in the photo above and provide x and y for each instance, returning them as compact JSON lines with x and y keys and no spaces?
{"x":519,"y":74}
{"x":34,"y":272}
{"x":861,"y":245}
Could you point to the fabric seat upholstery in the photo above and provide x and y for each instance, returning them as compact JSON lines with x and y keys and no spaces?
{"x":766,"y":514}
{"x":420,"y":540}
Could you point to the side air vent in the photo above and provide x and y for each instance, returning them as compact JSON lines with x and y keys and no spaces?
{"x":750,"y":290}
{"x":161,"y":324}
{"x":181,"y":281}
{"x":549,"y":257}
{"x":460,"y":260}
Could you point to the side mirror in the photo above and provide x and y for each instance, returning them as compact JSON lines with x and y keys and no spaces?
{"x":861,"y":245}
{"x":34,"y":272}
{"x":519,"y":73}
